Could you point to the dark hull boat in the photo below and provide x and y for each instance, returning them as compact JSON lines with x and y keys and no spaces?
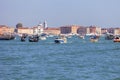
{"x":23,"y":37}
{"x":7,"y":37}
{"x":59,"y":41}
{"x":34,"y":38}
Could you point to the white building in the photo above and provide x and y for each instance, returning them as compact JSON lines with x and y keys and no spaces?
{"x":38,"y":30}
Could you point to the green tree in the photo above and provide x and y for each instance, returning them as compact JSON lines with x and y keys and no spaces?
{"x":19,"y":25}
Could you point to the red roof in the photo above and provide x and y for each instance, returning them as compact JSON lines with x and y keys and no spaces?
{"x":52,"y":29}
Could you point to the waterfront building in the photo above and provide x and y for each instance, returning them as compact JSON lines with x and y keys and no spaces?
{"x":110,"y":30}
{"x":117,"y":31}
{"x":38,"y":30}
{"x":81,"y":30}
{"x":93,"y":30}
{"x":103,"y":31}
{"x":87,"y":30}
{"x":71,"y":29}
{"x":25,"y":30}
{"x":6,"y":29}
{"x":54,"y":31}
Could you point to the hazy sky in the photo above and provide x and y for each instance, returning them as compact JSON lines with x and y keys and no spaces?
{"x":103,"y":13}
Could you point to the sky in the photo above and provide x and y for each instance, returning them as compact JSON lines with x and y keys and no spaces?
{"x":102,"y":13}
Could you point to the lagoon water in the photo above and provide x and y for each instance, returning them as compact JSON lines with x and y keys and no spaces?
{"x":44,"y":60}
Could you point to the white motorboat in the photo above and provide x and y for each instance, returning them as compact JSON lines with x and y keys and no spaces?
{"x":60,"y":40}
{"x":42,"y":38}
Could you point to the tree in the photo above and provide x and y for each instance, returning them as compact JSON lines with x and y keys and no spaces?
{"x":19,"y":25}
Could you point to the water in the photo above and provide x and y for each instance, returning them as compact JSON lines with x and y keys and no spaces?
{"x":77,"y":60}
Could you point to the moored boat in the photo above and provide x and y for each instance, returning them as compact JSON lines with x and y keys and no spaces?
{"x":23,"y":37}
{"x":42,"y":38}
{"x":94,"y":38}
{"x":61,"y":40}
{"x":109,"y":36}
{"x":7,"y":36}
{"x":34,"y":38}
{"x":116,"y":39}
{"x":82,"y":37}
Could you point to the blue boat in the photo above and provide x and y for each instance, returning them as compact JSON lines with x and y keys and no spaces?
{"x":94,"y":38}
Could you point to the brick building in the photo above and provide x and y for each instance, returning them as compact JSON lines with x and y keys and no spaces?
{"x":110,"y":30}
{"x":81,"y":30}
{"x":72,"y":29}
